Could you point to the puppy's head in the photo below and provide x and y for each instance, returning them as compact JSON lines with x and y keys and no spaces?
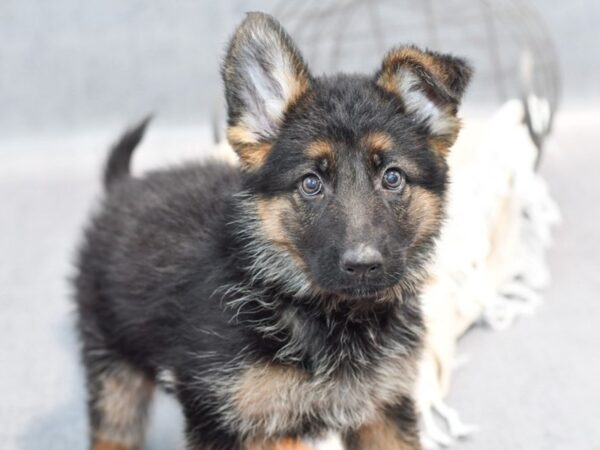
{"x":344,"y":176}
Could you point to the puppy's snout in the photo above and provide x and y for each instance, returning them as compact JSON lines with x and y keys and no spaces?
{"x":362,"y":260}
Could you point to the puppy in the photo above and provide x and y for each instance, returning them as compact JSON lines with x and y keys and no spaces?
{"x":277,"y":300}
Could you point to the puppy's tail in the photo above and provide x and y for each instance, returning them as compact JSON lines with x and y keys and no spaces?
{"x":119,"y":159}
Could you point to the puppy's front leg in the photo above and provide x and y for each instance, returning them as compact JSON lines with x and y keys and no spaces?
{"x":396,"y":429}
{"x":196,"y":443}
{"x":280,"y":444}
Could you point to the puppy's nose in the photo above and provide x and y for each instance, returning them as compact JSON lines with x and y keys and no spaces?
{"x":362,"y":260}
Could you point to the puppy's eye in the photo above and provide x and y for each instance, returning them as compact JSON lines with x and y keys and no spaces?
{"x":393,"y":179}
{"x":311,"y":185}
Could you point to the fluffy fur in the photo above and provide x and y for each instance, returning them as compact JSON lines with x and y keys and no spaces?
{"x":273,"y":312}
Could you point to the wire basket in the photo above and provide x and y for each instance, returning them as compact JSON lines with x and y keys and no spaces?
{"x":506,"y":41}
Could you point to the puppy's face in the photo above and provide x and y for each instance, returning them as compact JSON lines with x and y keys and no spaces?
{"x":345,"y":175}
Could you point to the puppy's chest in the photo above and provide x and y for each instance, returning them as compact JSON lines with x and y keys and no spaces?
{"x":270,"y":399}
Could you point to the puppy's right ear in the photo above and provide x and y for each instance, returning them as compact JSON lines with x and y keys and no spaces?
{"x":264,"y":76}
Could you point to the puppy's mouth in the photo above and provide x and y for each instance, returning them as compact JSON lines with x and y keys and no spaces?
{"x":363,"y":293}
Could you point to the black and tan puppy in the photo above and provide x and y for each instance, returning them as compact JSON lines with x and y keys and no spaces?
{"x":280,"y":299}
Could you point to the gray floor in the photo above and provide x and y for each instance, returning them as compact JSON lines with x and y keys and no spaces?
{"x":534,"y":386}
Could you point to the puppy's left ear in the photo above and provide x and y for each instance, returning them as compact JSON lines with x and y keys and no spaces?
{"x":264,"y":76}
{"x":430,"y":86}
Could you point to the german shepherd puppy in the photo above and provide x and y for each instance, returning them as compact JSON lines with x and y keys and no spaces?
{"x":279,"y":299}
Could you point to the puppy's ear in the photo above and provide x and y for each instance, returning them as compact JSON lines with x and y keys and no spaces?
{"x":264,"y":76}
{"x":430,"y":86}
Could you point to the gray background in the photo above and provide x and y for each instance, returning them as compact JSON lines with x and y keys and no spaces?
{"x":68,"y":64}
{"x":72,"y":73}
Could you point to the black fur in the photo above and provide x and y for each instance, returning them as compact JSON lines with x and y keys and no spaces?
{"x":178,"y":273}
{"x":117,"y":165}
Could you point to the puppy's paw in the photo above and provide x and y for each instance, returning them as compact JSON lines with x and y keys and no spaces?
{"x":291,"y":444}
{"x":104,"y":445}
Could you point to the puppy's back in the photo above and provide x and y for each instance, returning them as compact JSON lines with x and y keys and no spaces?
{"x":154,"y":239}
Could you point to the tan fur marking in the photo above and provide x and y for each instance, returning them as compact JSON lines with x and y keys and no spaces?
{"x":384,"y":435}
{"x":253,"y":153}
{"x":253,"y":157}
{"x":122,"y":405}
{"x":321,"y":149}
{"x":103,"y":445}
{"x":426,"y":210}
{"x":378,"y":141}
{"x":282,"y":444}
{"x":300,"y":86}
{"x":388,"y":82}
{"x":409,"y":56}
{"x":271,"y":213}
{"x":241,"y":136}
{"x":266,"y":390}
{"x":266,"y":399}
{"x":290,"y":444}
{"x":442,"y":144}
